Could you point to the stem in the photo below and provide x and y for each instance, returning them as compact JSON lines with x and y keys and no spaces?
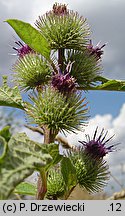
{"x":69,"y":192}
{"x":61,"y":58}
{"x":42,"y":185}
{"x":53,"y":66}
{"x":49,"y":137}
{"x":35,"y":129}
{"x":18,"y":196}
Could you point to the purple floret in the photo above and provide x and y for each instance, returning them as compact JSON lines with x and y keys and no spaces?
{"x":23,"y":49}
{"x":63,"y":81}
{"x":97,"y":51}
{"x":60,"y":9}
{"x":96,"y":147}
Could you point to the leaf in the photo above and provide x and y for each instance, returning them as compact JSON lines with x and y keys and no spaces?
{"x":53,"y":150}
{"x":105,"y":84}
{"x":26,"y":188}
{"x":10,"y":96}
{"x":69,"y":173}
{"x":111,"y":85}
{"x":32,"y":37}
{"x":22,"y":158}
{"x":100,"y":79}
{"x":5,"y":133}
{"x":3,"y":147}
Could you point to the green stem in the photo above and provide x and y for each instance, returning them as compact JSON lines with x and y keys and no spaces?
{"x":42,"y":185}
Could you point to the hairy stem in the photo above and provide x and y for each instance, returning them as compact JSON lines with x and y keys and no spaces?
{"x":42,"y":185}
{"x":49,"y":137}
{"x":61,"y":58}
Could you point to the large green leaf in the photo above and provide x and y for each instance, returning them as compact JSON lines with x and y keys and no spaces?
{"x":27,"y":188}
{"x":10,"y":96}
{"x":23,"y":157}
{"x":105,"y":84}
{"x":30,"y":36}
{"x":69,"y":173}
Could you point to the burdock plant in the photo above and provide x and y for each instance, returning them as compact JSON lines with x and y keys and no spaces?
{"x":55,"y":62}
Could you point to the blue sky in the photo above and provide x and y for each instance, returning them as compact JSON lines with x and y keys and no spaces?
{"x":102,"y":102}
{"x":106,"y":20}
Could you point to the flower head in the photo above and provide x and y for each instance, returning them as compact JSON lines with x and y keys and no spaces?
{"x":96,"y":146}
{"x":97,"y":51}
{"x":64,"y":82}
{"x":31,"y":71}
{"x":50,"y":109}
{"x":23,"y":49}
{"x":64,"y":28}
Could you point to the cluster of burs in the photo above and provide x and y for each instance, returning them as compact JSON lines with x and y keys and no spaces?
{"x":56,"y":64}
